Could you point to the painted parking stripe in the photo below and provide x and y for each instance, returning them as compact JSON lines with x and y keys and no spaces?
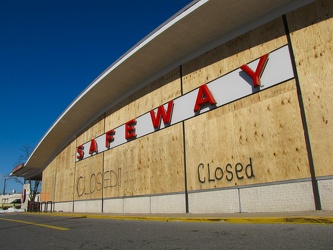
{"x":36,"y":224}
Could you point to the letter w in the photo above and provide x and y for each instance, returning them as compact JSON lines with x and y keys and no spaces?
{"x":161,"y":114}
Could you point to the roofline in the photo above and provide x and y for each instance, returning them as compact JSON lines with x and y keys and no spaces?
{"x":183,"y":12}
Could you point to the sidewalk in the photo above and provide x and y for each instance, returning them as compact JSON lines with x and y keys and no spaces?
{"x":309,"y":217}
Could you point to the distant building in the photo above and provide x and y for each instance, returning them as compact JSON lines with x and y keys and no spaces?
{"x":8,"y":198}
{"x":226,"y":107}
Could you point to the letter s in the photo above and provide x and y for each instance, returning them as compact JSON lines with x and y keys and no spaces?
{"x":80,"y":152}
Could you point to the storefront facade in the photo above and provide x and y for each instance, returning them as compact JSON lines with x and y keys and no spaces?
{"x":242,"y":123}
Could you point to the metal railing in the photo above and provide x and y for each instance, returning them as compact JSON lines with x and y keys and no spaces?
{"x":45,"y":206}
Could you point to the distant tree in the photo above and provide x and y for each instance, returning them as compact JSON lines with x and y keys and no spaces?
{"x":17,"y":179}
{"x":25,"y":154}
{"x":26,"y":151}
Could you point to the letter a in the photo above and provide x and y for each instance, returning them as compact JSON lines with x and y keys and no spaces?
{"x":204,"y":96}
{"x":93,"y":147}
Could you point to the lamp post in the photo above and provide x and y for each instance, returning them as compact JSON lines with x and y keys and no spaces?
{"x":4,"y":185}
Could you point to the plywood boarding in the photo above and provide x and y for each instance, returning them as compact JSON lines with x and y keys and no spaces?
{"x":65,"y":165}
{"x":162,"y":90}
{"x":64,"y":185}
{"x":233,"y":54}
{"x":66,"y":158}
{"x":312,"y":40}
{"x":89,"y":178}
{"x":153,"y":164}
{"x":257,"y":139}
{"x":48,"y":183}
{"x":94,"y":130}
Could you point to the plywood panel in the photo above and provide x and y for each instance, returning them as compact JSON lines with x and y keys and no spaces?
{"x":257,"y":139}
{"x":48,"y":183}
{"x":89,"y":178}
{"x":153,"y":164}
{"x":65,"y":164}
{"x":66,"y":158}
{"x":64,"y":185}
{"x":95,"y":129}
{"x":233,"y":54}
{"x":312,"y":39}
{"x":153,"y":95}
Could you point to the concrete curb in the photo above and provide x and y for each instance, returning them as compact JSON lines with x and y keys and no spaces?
{"x":220,"y":219}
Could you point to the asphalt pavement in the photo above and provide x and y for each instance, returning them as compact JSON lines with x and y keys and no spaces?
{"x":257,"y":231}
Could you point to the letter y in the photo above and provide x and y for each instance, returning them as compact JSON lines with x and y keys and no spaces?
{"x":260,"y":68}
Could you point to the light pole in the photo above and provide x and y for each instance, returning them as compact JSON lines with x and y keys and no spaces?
{"x":4,"y":185}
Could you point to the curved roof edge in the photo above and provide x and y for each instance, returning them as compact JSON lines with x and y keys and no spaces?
{"x":195,"y":29}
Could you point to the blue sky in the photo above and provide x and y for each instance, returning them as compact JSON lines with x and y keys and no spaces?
{"x":50,"y":51}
